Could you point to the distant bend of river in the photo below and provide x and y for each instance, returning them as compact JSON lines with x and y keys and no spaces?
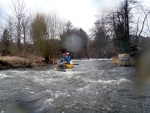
{"x":93,"y":86}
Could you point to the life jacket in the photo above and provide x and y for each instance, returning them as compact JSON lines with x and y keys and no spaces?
{"x":64,"y":59}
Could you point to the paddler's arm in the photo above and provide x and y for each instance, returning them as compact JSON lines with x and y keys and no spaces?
{"x":69,"y":58}
{"x":61,"y":61}
{"x":68,"y":62}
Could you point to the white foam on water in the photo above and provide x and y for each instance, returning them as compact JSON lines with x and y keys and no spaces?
{"x":59,"y":72}
{"x":26,"y":88}
{"x":108,"y":81}
{"x":103,"y":82}
{"x":15,"y":71}
{"x":21,"y":72}
{"x":85,"y":88}
{"x":2,"y":76}
{"x":48,"y":91}
{"x":113,"y":82}
{"x":90,"y":59}
{"x":70,"y":72}
{"x":43,"y":81}
{"x":38,"y":79}
{"x":49,"y":101}
{"x":58,"y":94}
{"x":55,"y":95}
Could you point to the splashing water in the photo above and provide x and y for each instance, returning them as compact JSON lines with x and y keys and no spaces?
{"x":93,"y":86}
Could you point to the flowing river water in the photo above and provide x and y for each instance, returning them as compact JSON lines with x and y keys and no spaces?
{"x":93,"y":86}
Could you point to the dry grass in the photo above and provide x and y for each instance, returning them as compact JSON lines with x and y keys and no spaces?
{"x":15,"y":61}
{"x":11,"y":58}
{"x":20,"y":59}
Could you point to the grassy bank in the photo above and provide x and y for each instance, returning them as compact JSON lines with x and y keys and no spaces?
{"x":20,"y":62}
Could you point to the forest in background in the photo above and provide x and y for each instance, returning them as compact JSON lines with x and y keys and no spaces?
{"x":125,"y":29}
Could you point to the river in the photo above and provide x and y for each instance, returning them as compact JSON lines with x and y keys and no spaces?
{"x":93,"y":86}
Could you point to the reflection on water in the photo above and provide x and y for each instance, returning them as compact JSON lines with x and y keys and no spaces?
{"x":90,"y":87}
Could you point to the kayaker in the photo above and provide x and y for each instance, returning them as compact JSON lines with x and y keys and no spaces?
{"x":61,"y":61}
{"x":68,"y":57}
{"x":64,"y":58}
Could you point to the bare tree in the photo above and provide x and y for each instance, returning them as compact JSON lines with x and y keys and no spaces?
{"x":55,"y":25}
{"x":21,"y":21}
{"x":1,"y":28}
{"x":101,"y":38}
{"x":141,"y":23}
{"x":45,"y":31}
{"x":39,"y":31}
{"x":26,"y":24}
{"x":68,"y":25}
{"x":148,"y":24}
{"x":55,"y":28}
{"x":10,"y":26}
{"x":120,"y":22}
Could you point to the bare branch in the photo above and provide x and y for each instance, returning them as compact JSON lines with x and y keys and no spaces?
{"x":143,"y":23}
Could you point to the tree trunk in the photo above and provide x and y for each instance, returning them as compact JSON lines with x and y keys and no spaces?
{"x":47,"y":59}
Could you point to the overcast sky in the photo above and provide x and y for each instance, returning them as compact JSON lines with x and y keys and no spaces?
{"x":82,"y":13}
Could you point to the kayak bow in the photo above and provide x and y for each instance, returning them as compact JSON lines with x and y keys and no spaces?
{"x":69,"y":66}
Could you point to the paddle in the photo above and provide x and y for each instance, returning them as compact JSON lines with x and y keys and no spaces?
{"x":66,"y":63}
{"x":72,"y":64}
{"x":76,"y":64}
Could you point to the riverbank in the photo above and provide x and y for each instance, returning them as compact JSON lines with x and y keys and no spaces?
{"x":7,"y":62}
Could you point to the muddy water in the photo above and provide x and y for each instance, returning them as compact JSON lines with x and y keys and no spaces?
{"x":93,"y":86}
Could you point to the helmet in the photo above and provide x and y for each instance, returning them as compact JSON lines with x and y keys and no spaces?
{"x":67,"y":53}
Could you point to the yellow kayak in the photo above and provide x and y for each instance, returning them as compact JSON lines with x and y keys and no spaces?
{"x":67,"y":66}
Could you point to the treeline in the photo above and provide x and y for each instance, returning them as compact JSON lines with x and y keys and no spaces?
{"x":46,"y":35}
{"x":120,"y":30}
{"x":39,"y":34}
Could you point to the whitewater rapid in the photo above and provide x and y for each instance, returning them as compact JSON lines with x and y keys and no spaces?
{"x":95,"y":85}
